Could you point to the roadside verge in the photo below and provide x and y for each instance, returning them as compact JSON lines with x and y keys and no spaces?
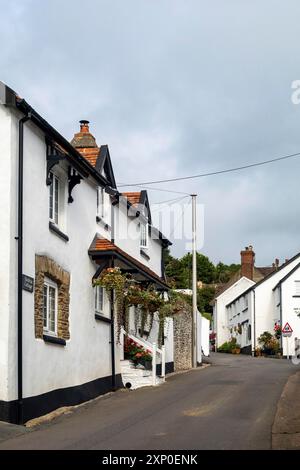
{"x":286,"y":427}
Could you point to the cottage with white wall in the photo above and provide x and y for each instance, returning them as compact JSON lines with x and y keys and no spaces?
{"x":273,"y":300}
{"x":63,"y":221}
{"x":241,"y":281}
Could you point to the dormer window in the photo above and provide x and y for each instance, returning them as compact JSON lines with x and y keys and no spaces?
{"x":57,"y":201}
{"x":100,"y":202}
{"x":144,"y":235}
{"x":54,"y":197}
{"x":103,"y":206}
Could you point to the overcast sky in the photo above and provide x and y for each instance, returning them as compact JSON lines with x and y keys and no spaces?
{"x":175,"y":88}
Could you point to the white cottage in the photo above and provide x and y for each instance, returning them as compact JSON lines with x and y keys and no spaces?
{"x":226,"y":320}
{"x":63,"y":220}
{"x":273,"y":300}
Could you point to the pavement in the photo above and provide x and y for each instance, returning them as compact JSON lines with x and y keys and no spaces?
{"x":230,"y":405}
{"x":286,"y":427}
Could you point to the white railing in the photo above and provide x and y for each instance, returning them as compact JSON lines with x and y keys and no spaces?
{"x":152,"y":347}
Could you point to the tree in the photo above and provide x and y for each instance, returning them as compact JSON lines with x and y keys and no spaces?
{"x":179,"y":270}
{"x":204,"y":299}
{"x":223,"y":272}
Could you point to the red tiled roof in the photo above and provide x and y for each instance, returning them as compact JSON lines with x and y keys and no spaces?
{"x":133,"y":197}
{"x":102,"y":245}
{"x":91,"y":154}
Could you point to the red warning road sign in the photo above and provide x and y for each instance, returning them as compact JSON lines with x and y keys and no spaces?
{"x":287,"y":330}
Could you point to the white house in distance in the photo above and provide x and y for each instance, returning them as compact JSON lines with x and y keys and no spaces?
{"x":273,"y":300}
{"x":243,"y":279}
{"x":63,"y":221}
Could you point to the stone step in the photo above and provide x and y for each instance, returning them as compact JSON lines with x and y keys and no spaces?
{"x":137,"y":377}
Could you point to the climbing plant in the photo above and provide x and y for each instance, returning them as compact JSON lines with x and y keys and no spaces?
{"x":115,"y":283}
{"x":126,"y":293}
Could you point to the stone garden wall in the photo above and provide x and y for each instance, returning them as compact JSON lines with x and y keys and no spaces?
{"x":182,"y":324}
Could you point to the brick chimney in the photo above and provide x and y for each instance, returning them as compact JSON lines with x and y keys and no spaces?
{"x":247,"y":262}
{"x":86,"y":143}
{"x":83,"y":138}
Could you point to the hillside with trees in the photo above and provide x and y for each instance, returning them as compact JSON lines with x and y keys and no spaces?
{"x":179,"y":275}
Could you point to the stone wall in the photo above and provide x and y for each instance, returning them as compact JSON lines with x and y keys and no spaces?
{"x":45,"y":266}
{"x":182,"y":324}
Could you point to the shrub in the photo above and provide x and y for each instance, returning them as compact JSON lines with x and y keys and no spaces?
{"x":229,"y":346}
{"x":269,"y":343}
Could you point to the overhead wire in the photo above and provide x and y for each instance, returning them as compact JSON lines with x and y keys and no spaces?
{"x":213,"y":173}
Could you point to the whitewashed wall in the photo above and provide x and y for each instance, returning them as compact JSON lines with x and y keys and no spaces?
{"x":87,"y":355}
{"x":264,"y":300}
{"x":7,"y":249}
{"x":127,"y":237}
{"x":203,"y":325}
{"x":220,"y":315}
{"x":291,"y":311}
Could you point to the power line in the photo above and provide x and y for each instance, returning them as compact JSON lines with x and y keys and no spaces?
{"x":162,"y":207}
{"x":169,"y":203}
{"x":168,"y":200}
{"x":155,"y":189}
{"x":213,"y":173}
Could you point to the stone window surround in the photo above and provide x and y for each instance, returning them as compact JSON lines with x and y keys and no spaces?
{"x":46,"y":267}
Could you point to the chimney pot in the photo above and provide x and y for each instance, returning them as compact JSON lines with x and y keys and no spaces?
{"x":84,"y":126}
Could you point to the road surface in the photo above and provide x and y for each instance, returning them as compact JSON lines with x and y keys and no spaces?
{"x":229,"y":405}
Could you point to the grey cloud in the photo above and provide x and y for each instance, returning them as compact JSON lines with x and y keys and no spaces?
{"x":175,"y":88}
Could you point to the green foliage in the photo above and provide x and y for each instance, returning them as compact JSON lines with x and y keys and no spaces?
{"x":204,"y":298}
{"x":229,"y":346}
{"x":179,"y":270}
{"x":270,"y":344}
{"x":224,"y":272}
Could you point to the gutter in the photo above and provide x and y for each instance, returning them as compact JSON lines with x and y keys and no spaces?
{"x":19,"y":239}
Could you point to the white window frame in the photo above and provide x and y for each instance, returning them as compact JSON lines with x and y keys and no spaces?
{"x":49,"y":284}
{"x":144,"y":243}
{"x":100,"y":202}
{"x":54,"y":199}
{"x":297,"y":287}
{"x":99,"y":300}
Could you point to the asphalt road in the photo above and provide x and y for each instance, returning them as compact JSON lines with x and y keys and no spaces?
{"x":229,"y":405}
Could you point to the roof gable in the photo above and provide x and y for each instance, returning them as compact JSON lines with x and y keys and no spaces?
{"x":104,"y":166}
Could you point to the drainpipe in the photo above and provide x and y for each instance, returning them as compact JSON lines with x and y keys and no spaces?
{"x":254,"y":322}
{"x":280,"y":298}
{"x":19,"y":238}
{"x":112,"y":337}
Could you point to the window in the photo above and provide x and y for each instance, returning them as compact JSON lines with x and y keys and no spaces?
{"x":54,"y":199}
{"x":99,"y":299}
{"x":49,"y":306}
{"x":249,"y":332}
{"x":144,"y":236}
{"x":245,"y":302}
{"x":297,"y":287}
{"x":100,"y":202}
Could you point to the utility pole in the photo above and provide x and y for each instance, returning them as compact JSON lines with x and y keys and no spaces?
{"x":194,"y":284}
